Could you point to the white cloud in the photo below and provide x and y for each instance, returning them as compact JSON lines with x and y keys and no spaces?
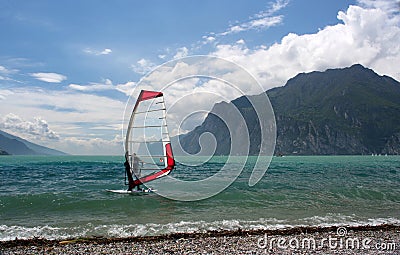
{"x":169,"y":54}
{"x":2,"y":78}
{"x":106,"y":52}
{"x":62,"y":106}
{"x":92,"y":145}
{"x":5,"y":93}
{"x":181,"y":53}
{"x":143,"y":66}
{"x":256,"y":24}
{"x":273,"y":8}
{"x":38,"y":128}
{"x":370,"y":37}
{"x":7,"y":73}
{"x":106,"y":85}
{"x":260,"y":21}
{"x":5,"y":70}
{"x":70,"y":114}
{"x":97,"y":52}
{"x":389,"y":6}
{"x":265,"y":22}
{"x":193,"y":85}
{"x":234,"y":29}
{"x":241,"y":41}
{"x":126,"y":88}
{"x":208,"y":39}
{"x":49,"y":77}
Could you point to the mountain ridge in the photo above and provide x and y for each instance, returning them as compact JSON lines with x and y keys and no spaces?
{"x":15,"y":145}
{"x":339,"y":111}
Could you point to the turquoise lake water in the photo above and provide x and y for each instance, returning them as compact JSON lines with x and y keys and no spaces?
{"x":64,"y":196}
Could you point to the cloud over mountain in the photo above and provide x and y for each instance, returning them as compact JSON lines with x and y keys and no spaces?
{"x":364,"y":35}
{"x":39,"y":128}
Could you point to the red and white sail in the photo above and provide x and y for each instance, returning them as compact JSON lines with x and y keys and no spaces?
{"x":148,"y":151}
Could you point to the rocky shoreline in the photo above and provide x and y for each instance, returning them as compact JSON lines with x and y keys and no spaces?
{"x":381,"y":239}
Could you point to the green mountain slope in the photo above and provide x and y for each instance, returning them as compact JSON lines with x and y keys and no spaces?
{"x":339,"y":111}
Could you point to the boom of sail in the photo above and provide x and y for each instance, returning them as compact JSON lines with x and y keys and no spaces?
{"x":148,"y":152}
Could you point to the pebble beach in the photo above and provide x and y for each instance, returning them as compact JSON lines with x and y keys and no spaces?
{"x":383,"y":239}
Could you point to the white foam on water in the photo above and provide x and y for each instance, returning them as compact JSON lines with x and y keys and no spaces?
{"x":150,"y":229}
{"x":8,"y":233}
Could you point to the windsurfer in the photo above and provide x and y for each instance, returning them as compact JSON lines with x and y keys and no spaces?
{"x":135,"y":132}
{"x":136,"y":169}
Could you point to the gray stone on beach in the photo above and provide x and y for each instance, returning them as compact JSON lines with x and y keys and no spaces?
{"x":239,"y":244}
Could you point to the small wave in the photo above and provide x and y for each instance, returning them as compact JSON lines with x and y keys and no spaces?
{"x":8,"y":233}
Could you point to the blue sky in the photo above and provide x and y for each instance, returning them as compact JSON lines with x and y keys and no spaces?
{"x":67,"y":67}
{"x":69,"y":37}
